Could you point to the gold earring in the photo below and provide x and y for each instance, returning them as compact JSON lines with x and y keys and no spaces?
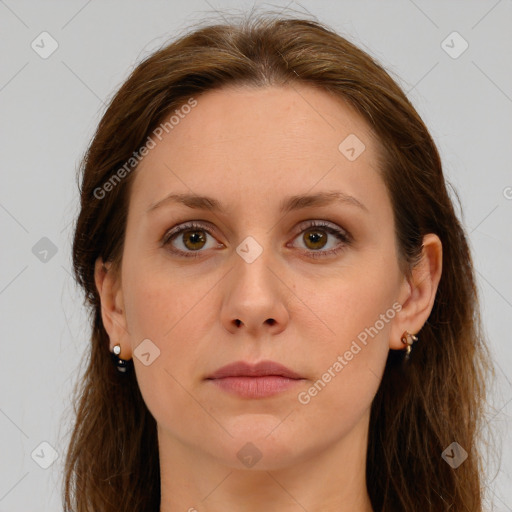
{"x":408,"y":339}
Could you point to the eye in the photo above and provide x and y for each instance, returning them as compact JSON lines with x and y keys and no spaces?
{"x":192,"y":237}
{"x":315,"y":236}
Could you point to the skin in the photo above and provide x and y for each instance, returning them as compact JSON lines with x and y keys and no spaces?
{"x":249,"y":148}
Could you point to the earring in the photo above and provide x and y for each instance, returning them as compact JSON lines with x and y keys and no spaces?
{"x":408,"y":339}
{"x":122,"y":365}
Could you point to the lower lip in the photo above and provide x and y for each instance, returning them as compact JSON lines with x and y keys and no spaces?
{"x":256,"y":387}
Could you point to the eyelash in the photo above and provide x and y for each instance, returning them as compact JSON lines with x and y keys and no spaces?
{"x":192,"y":226}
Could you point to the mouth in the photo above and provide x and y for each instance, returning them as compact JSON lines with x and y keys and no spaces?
{"x":260,"y":380}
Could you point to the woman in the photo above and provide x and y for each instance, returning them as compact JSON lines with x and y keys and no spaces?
{"x":270,"y":254}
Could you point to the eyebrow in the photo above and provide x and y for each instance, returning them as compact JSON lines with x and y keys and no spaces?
{"x":289,"y":204}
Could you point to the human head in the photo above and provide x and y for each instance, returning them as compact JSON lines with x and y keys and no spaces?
{"x":276,"y":55}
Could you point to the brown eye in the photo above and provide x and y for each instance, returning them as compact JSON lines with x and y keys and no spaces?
{"x":189,"y":240}
{"x":318,"y":234}
{"x":194,"y":240}
{"x":315,"y":237}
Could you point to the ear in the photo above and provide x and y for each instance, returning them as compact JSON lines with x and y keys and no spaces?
{"x":418,"y":293}
{"x":108,"y":284}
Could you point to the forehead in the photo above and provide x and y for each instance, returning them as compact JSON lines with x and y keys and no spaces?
{"x":256,"y":143}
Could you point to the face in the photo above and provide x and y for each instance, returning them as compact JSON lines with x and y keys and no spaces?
{"x":311,"y":284}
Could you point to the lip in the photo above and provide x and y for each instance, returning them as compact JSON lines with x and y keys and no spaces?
{"x":261,"y":369}
{"x":261,"y":380}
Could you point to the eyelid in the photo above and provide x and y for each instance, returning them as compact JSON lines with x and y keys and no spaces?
{"x":312,"y":223}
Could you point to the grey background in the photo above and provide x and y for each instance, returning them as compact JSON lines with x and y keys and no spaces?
{"x":50,"y":108}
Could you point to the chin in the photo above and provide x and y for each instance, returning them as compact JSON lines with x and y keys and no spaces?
{"x":261,"y":442}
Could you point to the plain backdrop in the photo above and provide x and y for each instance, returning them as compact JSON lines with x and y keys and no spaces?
{"x":51,"y":106}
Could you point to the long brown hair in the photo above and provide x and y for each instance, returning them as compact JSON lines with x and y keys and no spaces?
{"x":112,"y":463}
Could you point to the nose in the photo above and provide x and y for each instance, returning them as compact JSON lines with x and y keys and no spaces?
{"x":255,"y":298}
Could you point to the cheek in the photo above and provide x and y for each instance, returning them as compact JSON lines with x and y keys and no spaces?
{"x":349,"y":305}
{"x":348,"y":369}
{"x":339,"y":400}
{"x":175,"y":312}
{"x":156,"y":312}
{"x":356,"y":312}
{"x":161,"y":302}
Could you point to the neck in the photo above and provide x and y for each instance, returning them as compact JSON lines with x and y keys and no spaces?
{"x":333,"y":479}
